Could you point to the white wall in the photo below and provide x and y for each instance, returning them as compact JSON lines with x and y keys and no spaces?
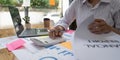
{"x":65,"y":5}
{"x":6,"y":20}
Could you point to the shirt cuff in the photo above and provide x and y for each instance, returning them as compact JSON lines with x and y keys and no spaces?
{"x":63,"y":25}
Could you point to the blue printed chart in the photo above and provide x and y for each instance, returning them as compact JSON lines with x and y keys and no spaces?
{"x":61,"y":51}
{"x":57,"y":52}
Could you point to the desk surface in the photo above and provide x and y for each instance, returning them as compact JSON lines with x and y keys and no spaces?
{"x":63,"y":50}
{"x":6,"y":55}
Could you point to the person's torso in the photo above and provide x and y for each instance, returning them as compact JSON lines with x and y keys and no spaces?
{"x":100,"y":11}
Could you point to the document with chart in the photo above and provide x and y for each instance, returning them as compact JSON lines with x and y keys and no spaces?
{"x":89,"y":46}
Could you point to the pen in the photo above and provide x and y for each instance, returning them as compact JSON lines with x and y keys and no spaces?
{"x":114,"y":30}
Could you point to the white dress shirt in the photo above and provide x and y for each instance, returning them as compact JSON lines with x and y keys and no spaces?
{"x":108,"y":10}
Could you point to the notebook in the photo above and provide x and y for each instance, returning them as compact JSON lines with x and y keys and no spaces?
{"x":20,"y":30}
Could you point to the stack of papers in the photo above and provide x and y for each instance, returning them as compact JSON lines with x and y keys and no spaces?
{"x":4,"y":41}
{"x":56,"y":52}
{"x":89,"y":46}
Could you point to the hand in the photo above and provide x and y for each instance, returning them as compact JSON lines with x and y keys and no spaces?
{"x":99,"y":26}
{"x":56,"y":32}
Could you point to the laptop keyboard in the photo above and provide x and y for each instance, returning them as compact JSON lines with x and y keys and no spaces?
{"x":34,"y":32}
{"x":42,"y":30}
{"x":29,"y":32}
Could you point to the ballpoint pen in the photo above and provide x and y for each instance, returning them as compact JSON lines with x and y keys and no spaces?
{"x":114,"y":30}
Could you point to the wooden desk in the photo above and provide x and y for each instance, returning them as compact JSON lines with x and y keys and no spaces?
{"x":6,"y":55}
{"x":6,"y":32}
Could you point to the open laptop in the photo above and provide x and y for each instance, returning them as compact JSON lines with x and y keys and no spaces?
{"x":19,"y":28}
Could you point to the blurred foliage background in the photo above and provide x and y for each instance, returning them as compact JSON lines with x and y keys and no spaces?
{"x":34,"y":3}
{"x":43,"y":4}
{"x":10,"y":2}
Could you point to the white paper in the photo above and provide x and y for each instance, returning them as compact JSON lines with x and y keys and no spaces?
{"x":50,"y":53}
{"x":55,"y":53}
{"x":4,"y":41}
{"x":68,"y":36}
{"x":89,"y":46}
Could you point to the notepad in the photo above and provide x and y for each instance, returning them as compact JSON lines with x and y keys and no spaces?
{"x":70,"y":31}
{"x":15,"y":44}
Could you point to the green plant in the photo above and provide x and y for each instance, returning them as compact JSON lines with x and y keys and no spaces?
{"x":5,"y":2}
{"x":26,"y":19}
{"x":10,"y":2}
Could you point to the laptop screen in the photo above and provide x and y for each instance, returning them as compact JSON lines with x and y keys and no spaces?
{"x":14,"y":12}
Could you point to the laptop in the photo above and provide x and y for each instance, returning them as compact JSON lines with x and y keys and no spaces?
{"x":19,"y":28}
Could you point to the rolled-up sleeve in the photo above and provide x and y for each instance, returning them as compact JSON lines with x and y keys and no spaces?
{"x":117,"y":19}
{"x":69,"y":16}
{"x":116,"y":14}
